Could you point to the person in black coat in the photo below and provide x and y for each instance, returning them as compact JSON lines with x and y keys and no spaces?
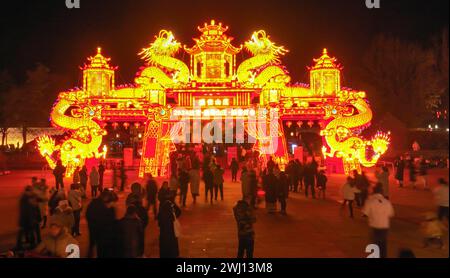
{"x":283,"y":191}
{"x":253,"y":187}
{"x":310,"y":172}
{"x":183,"y":179}
{"x":399,"y":170}
{"x":234,"y":166}
{"x":208,"y":178}
{"x":168,"y":241}
{"x":102,"y":225}
{"x":101,"y":172}
{"x":151,"y":192}
{"x":270,"y":183}
{"x":29,"y":219}
{"x":131,"y":234}
{"x":58,"y":172}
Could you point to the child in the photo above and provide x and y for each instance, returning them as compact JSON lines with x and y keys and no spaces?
{"x":433,"y":230}
{"x":321,"y":183}
{"x":349,"y":190}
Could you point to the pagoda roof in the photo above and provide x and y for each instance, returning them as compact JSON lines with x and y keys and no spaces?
{"x":325,"y":62}
{"x":213,"y":39}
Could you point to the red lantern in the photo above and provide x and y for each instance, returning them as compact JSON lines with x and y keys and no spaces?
{"x":115,"y":125}
{"x":288,"y":124}
{"x":126,"y":125}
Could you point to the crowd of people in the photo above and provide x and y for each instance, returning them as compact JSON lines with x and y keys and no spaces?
{"x":125,"y":237}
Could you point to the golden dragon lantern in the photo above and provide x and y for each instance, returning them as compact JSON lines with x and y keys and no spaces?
{"x":167,"y":92}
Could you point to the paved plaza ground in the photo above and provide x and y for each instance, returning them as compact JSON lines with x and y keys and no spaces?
{"x":312,"y":228}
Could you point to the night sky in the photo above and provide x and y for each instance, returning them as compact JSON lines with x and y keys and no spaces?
{"x":61,"y":38}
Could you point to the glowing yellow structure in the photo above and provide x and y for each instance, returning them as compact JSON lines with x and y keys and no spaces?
{"x":166,"y":88}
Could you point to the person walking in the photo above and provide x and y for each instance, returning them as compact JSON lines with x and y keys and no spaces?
{"x":348,"y":192}
{"x":321,"y":184}
{"x":379,"y":211}
{"x":234,"y":166}
{"x":83,"y":180}
{"x":101,"y":173}
{"x":151,"y":193}
{"x":74,"y":197}
{"x":41,"y":191}
{"x":441,"y":199}
{"x":183,"y":179}
{"x":299,"y":175}
{"x":218,"y":182}
{"x":399,"y":170}
{"x":423,"y":173}
{"x":58,"y":173}
{"x":270,"y":187}
{"x":28,"y":219}
{"x":208,"y":178}
{"x":245,"y":217}
{"x":283,"y":191}
{"x":382,"y":176}
{"x":194,"y":180}
{"x":131,"y":235}
{"x":94,"y":178}
{"x":168,"y":228}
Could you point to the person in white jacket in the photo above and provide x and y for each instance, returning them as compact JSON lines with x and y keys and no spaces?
{"x":348,"y":191}
{"x":379,"y":211}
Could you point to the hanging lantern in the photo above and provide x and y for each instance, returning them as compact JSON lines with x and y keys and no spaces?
{"x":288,"y":124}
{"x":310,"y":123}
{"x":137,"y":124}
{"x":126,"y":125}
{"x":115,"y":125}
{"x":299,"y":123}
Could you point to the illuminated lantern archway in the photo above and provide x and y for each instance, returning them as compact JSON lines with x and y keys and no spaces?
{"x":213,"y":85}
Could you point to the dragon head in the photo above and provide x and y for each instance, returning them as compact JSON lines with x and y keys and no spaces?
{"x":260,"y":44}
{"x":163,"y":45}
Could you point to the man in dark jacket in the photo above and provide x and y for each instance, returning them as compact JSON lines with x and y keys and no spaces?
{"x":208,"y":178}
{"x":102,"y":225}
{"x":183,"y":179}
{"x":151,"y":192}
{"x":101,"y":172}
{"x":58,"y":172}
{"x":283,"y":191}
{"x":83,"y":179}
{"x":245,"y":217}
{"x":234,"y":166}
{"x":131,"y":235}
{"x":253,"y":187}
{"x":310,"y":172}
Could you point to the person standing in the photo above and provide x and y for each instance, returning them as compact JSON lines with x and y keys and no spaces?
{"x":300,"y":174}
{"x":383,"y":178}
{"x":379,"y":211}
{"x":348,"y":192}
{"x":244,"y":183}
{"x":131,"y":235}
{"x":76,"y":176}
{"x":101,"y":173}
{"x":253,"y":187}
{"x":123,"y":176}
{"x":94,"y":179}
{"x":83,"y":180}
{"x":102,"y":225}
{"x":412,"y":173}
{"x":194,"y":179}
{"x":58,"y":172}
{"x":151,"y":192}
{"x":183,"y":179}
{"x":234,"y":169}
{"x":41,"y":191}
{"x":245,"y":217}
{"x":168,"y":228}
{"x":208,"y":178}
{"x":218,"y":182}
{"x":136,"y":194}
{"x":115,"y":175}
{"x":270,"y":183}
{"x":399,"y":170}
{"x":441,"y":198}
{"x":283,"y":191}
{"x":309,"y":179}
{"x":74,"y":196}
